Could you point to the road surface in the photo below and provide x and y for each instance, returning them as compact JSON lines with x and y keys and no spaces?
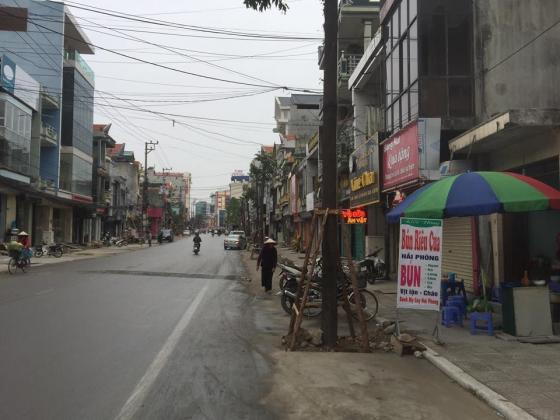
{"x":163,"y":334}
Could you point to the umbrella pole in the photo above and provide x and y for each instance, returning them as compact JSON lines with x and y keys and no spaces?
{"x":435,"y":333}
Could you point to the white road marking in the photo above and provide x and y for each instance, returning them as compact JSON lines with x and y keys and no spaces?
{"x":44,"y":292}
{"x":141,"y":390}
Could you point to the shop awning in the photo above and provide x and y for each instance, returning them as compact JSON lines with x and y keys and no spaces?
{"x":504,"y":129}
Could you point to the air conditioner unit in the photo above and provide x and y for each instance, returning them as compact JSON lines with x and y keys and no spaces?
{"x":455,"y":167}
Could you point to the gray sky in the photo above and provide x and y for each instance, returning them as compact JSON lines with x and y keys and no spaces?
{"x":209,"y":157}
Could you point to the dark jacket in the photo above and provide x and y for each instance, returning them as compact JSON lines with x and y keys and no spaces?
{"x":268,"y":257}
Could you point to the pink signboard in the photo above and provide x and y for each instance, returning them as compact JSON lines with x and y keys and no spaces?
{"x":293,"y":195}
{"x":401,"y":158}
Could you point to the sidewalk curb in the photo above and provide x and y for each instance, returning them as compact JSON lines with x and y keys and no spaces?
{"x":498,"y":402}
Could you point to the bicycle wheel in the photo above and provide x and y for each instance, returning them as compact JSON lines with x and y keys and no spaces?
{"x":368,"y":301}
{"x":12,"y":265}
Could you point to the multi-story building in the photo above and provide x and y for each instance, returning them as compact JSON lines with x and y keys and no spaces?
{"x":238,"y":182}
{"x":101,"y":176}
{"x":178,"y":190}
{"x":442,"y":88}
{"x":49,"y":51}
{"x":19,"y":166}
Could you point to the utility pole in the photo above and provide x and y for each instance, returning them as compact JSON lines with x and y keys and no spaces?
{"x":149,"y":146}
{"x":327,"y":150}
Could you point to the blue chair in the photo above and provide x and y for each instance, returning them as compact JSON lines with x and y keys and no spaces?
{"x":485,"y":317}
{"x":450,"y":316}
{"x":459,"y":302}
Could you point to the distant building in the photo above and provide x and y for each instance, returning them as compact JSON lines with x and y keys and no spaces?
{"x":238,"y":182}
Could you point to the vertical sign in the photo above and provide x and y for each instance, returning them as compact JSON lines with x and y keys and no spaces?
{"x":419,"y":275}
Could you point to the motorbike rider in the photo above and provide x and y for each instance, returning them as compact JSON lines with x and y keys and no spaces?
{"x":197,"y":239}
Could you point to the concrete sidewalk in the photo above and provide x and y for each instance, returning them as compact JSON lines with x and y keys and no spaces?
{"x":76,"y":255}
{"x":378,"y":385}
{"x":527,"y":375}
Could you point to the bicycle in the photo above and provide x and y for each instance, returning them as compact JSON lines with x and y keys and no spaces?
{"x":18,"y":259}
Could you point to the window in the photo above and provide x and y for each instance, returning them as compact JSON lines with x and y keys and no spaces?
{"x":413,"y":51}
{"x":459,"y":45}
{"x":433,"y":100}
{"x":13,"y":19}
{"x":405,"y":113}
{"x":2,"y":113}
{"x":460,"y":97}
{"x":432,"y":34}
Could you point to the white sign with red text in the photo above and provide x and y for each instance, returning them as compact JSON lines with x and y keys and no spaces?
{"x":419,"y":274}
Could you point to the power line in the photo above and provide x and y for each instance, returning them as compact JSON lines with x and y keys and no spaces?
{"x":164,"y":66}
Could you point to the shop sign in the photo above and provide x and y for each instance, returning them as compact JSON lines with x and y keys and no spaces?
{"x":20,"y":84}
{"x":354,"y":216}
{"x":293,"y":195}
{"x":412,"y":154}
{"x":400,"y":157}
{"x":364,"y":182}
{"x":419,"y":273}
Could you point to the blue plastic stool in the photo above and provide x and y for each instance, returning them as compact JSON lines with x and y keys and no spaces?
{"x":450,"y":316}
{"x":485,"y":317}
{"x":459,"y":302}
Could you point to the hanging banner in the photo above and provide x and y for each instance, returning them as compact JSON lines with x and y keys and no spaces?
{"x":419,"y":275}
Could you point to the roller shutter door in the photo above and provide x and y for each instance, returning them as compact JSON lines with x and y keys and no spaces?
{"x":457,"y":249}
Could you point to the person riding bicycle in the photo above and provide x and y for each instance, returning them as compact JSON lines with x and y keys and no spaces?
{"x":23,"y":239}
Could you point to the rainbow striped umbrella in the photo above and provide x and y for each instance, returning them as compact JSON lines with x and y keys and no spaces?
{"x":477,"y":193}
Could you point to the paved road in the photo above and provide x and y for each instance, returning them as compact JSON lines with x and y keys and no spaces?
{"x":154,"y":334}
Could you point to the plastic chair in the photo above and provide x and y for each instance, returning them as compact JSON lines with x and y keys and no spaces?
{"x":485,"y":317}
{"x":460,"y":303}
{"x":450,"y":316}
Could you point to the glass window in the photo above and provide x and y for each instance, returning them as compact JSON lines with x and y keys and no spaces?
{"x":395,"y":73}
{"x":389,"y":84}
{"x":413,"y":51}
{"x":404,"y":15}
{"x":397,"y":114}
{"x":395,"y":25}
{"x":389,"y":119}
{"x":405,"y":113}
{"x":460,"y":97}
{"x":433,"y":100}
{"x":433,"y":48}
{"x":405,"y":63}
{"x":459,"y":45}
{"x":413,"y":101}
{"x":412,"y":9}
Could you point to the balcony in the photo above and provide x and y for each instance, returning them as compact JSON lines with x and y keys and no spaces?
{"x":49,"y":135}
{"x":74,"y":59}
{"x":347,"y":63}
{"x":48,"y":100}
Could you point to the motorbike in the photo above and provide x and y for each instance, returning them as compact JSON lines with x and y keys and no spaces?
{"x":55,"y":250}
{"x":372,"y":267}
{"x":196,"y":248}
{"x":119,"y":242}
{"x":289,"y":278}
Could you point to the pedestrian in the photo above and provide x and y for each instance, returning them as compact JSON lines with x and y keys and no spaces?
{"x":268,"y":257}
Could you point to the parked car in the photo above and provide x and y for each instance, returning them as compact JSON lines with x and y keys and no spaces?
{"x":165,"y":235}
{"x":238,"y":232}
{"x":235,"y":242}
{"x":187,"y":232}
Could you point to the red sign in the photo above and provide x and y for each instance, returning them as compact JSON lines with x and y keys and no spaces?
{"x":401,"y":158}
{"x":354,"y":217}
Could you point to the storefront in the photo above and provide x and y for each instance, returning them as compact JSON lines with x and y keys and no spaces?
{"x":410,"y":159}
{"x":365,"y":195}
